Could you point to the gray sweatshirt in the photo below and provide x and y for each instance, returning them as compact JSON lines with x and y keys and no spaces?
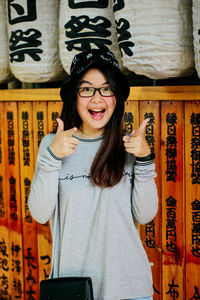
{"x":94,"y":230}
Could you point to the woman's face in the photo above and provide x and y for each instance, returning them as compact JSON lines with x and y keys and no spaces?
{"x":95,"y":111}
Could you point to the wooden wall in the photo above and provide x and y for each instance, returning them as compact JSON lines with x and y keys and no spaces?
{"x":172,"y":239}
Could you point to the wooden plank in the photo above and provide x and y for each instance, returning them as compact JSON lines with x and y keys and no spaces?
{"x":163,"y":93}
{"x":13,"y":195}
{"x":43,"y":230}
{"x":131,"y":116}
{"x":29,"y":225}
{"x":146,"y":93}
{"x":4,"y":232}
{"x":192,"y":165}
{"x":50,"y":94}
{"x":151,"y":232}
{"x":172,"y":200}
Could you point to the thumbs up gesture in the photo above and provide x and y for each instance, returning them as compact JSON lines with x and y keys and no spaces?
{"x":64,"y":143}
{"x":136,"y":143}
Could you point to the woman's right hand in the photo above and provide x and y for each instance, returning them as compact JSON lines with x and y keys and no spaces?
{"x":64,"y":143}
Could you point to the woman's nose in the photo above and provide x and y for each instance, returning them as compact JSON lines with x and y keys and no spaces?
{"x":97,"y":97}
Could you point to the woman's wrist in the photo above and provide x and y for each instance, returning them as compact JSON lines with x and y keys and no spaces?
{"x":146,"y":158}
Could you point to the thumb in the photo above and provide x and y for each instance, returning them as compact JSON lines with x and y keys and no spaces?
{"x":60,"y":127}
{"x":143,"y":126}
{"x":71,"y":131}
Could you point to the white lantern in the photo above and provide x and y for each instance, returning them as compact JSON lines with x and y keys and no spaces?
{"x":33,"y":34}
{"x":155,"y":37}
{"x":5,"y":73}
{"x":196,"y":33}
{"x":86,"y":24}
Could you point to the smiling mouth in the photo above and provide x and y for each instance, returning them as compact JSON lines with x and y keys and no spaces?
{"x":97,"y":113}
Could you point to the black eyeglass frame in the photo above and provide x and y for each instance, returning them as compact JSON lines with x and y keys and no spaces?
{"x":94,"y":91}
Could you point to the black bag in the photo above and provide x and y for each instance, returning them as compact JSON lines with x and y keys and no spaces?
{"x":66,"y":288}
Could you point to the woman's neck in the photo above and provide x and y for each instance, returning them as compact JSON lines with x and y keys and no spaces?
{"x":89,"y":134}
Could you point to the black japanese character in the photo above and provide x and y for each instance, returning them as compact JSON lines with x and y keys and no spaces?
{"x":196,"y":205}
{"x":195,"y":155}
{"x":3,"y":248}
{"x":17,"y":9}
{"x":30,"y":277}
{"x":30,"y":259}
{"x":195,"y":172}
{"x":171,"y":141}
{"x":10,"y":115}
{"x":171,"y":118}
{"x":196,"y":251}
{"x":171,"y":129}
{"x":97,"y":26}
{"x":171,"y":152}
{"x":122,"y":26}
{"x":195,"y":119}
{"x":25,"y":115}
{"x":196,"y":295}
{"x":171,"y":201}
{"x":4,"y":286}
{"x":171,"y":246}
{"x":151,"y":141}
{"x":17,"y":285}
{"x":172,"y":291}
{"x":16,"y":265}
{"x":54,"y":115}
{"x":47,"y":258}
{"x":40,"y":115}
{"x":128,"y":120}
{"x":77,"y":33}
{"x":150,"y":243}
{"x":30,"y":293}
{"x":4,"y":264}
{"x":25,"y":42}
{"x":27,"y":182}
{"x":196,"y":216}
{"x":15,"y":249}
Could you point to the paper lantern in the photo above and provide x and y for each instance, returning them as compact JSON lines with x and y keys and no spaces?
{"x":33,"y":40}
{"x":196,"y":33}
{"x":5,"y":73}
{"x":155,"y":37}
{"x":84,"y":25}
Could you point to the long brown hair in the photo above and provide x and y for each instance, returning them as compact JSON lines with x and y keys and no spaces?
{"x":108,"y":165}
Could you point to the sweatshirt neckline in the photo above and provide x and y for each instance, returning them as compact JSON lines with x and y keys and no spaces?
{"x":90,"y":140}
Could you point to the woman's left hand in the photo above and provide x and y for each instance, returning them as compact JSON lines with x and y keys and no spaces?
{"x":136,"y":143}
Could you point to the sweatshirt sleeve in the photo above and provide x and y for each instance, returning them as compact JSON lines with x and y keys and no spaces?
{"x":144,"y":194}
{"x":44,"y":189}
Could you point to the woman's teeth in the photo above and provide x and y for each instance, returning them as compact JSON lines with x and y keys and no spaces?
{"x":96,"y":112}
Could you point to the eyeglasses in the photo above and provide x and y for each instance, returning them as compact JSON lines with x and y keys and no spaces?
{"x":90,"y":91}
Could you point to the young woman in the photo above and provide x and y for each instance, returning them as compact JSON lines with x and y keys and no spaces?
{"x":94,"y":184}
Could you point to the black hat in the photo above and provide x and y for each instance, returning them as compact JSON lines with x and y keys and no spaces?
{"x":85,"y":60}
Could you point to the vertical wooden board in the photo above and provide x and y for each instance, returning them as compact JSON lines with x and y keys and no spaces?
{"x":29,"y":225}
{"x":151,"y":232}
{"x":173,"y":244}
{"x":39,"y":124}
{"x":43,"y":230}
{"x":192,"y":179}
{"x":13,"y":195}
{"x":54,"y":110}
{"x":4,"y":230}
{"x":131,"y":116}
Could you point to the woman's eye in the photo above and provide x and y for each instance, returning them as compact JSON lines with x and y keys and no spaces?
{"x":86,"y":89}
{"x":107,"y":89}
